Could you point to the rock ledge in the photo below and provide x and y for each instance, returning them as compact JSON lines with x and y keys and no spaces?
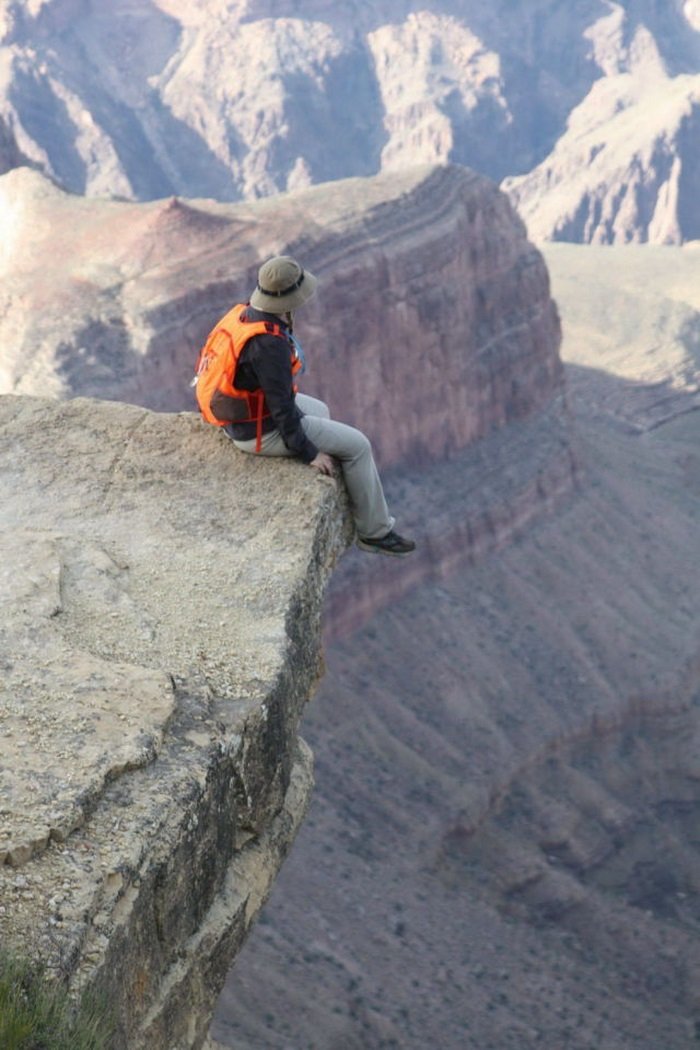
{"x":160,"y":635}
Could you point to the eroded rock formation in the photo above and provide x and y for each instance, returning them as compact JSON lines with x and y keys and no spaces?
{"x":160,"y":636}
{"x":625,"y":170}
{"x":594,"y":106}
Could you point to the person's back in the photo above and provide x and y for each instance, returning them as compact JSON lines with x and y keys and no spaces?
{"x":257,"y":405}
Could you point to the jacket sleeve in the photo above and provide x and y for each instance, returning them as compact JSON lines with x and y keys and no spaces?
{"x":268,"y":356}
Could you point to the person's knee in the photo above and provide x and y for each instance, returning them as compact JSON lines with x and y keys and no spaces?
{"x":313,"y":406}
{"x":361,"y":445}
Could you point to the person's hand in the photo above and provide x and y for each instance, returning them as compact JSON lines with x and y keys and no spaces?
{"x":323,"y":463}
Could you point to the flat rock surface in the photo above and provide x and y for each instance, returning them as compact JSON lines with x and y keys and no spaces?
{"x":630,"y":316}
{"x":135,"y":547}
{"x":69,"y":719}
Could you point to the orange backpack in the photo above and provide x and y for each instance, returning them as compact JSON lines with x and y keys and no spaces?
{"x":220,"y":402}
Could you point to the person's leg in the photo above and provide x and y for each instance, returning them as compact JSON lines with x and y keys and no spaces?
{"x":272,"y":443}
{"x":312,"y":406}
{"x":353,"y":450}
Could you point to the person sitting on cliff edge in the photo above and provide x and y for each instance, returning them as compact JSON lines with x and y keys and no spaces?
{"x":245,"y":384}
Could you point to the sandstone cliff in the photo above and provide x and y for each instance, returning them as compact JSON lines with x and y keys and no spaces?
{"x":242,"y":98}
{"x":160,"y":637}
{"x":429,"y":266}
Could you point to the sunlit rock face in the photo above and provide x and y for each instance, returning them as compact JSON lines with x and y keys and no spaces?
{"x":625,"y":167}
{"x":594,"y":105}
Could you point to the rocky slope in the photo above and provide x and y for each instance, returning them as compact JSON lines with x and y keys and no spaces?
{"x":430,"y":266}
{"x":160,"y":637}
{"x":502,"y":851}
{"x":502,"y":847}
{"x":594,"y":106}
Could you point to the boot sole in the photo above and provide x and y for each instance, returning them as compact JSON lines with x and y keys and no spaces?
{"x":382,"y":550}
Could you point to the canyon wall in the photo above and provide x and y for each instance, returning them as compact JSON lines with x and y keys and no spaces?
{"x":502,"y":847}
{"x":161,"y":604}
{"x":433,"y":324}
{"x":631,"y":352}
{"x":593,"y":109}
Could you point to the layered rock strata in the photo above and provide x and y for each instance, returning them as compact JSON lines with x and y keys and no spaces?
{"x":160,"y":636}
{"x":460,"y":512}
{"x":433,"y":325}
{"x":506,"y":754}
{"x":631,"y":316}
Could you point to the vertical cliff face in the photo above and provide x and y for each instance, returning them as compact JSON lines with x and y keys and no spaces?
{"x":161,"y":601}
{"x":443,"y":328}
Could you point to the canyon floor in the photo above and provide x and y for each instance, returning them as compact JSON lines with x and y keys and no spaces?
{"x":503,"y":849}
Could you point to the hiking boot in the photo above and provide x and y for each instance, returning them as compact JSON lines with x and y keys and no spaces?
{"x":392,"y":543}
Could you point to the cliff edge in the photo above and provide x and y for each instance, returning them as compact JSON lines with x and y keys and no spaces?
{"x":160,"y":636}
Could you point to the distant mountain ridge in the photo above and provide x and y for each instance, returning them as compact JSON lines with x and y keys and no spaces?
{"x":590,"y":114}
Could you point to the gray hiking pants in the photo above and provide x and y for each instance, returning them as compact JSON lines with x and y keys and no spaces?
{"x":354,"y":453}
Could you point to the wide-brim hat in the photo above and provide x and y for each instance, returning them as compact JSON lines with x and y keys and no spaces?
{"x":283,"y":285}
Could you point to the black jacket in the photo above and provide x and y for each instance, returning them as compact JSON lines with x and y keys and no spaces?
{"x":265,"y":365}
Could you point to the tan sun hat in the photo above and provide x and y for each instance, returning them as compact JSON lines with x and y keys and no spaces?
{"x":282,"y":285}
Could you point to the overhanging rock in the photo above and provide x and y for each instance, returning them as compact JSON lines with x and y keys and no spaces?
{"x":160,"y":600}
